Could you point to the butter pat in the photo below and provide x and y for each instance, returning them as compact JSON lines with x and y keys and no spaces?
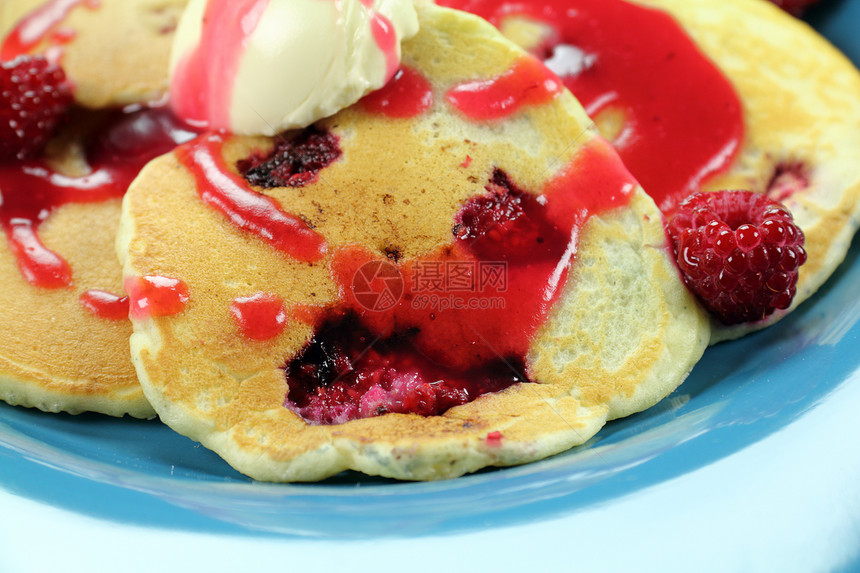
{"x":258,"y":67}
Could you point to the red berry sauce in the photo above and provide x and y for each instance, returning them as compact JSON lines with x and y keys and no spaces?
{"x":407,"y":94}
{"x":38,"y":24}
{"x":425,"y":351}
{"x":32,"y":191}
{"x":260,"y":316}
{"x":385,"y":37}
{"x":386,"y":40}
{"x":105,"y":305}
{"x":527,"y":83}
{"x":153,"y":295}
{"x":450,"y":340}
{"x":679,"y":108}
{"x":198,"y":92}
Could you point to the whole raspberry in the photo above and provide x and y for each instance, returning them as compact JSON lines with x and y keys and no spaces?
{"x":34,"y":97}
{"x":739,"y":252}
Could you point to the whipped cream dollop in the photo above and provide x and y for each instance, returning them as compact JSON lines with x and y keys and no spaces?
{"x":258,"y":67}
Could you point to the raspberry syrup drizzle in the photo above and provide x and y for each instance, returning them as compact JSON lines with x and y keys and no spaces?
{"x":527,"y":83}
{"x":105,"y":304}
{"x":423,"y":358}
{"x":38,"y":24}
{"x":229,"y":194}
{"x":155,"y":295}
{"x":198,"y":89}
{"x":31,"y":190}
{"x":408,"y":94}
{"x":684,"y":121}
{"x":261,"y":316}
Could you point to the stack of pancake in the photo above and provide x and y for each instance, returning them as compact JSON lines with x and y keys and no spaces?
{"x":618,"y":329}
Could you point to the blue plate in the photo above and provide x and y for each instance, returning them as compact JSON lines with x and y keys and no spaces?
{"x":752,"y":464}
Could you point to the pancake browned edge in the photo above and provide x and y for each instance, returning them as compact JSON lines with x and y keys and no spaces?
{"x":623,"y":335}
{"x":801,"y":104}
{"x":54,"y":355}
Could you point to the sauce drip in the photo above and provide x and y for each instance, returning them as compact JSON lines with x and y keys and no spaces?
{"x":253,"y":212}
{"x":408,"y":94}
{"x":260,"y":316}
{"x":527,"y":83}
{"x":684,"y":121}
{"x":199,"y":89}
{"x":385,"y":37}
{"x":31,"y":190}
{"x":38,"y":24}
{"x":153,"y":296}
{"x":105,"y":305}
{"x":386,"y":40}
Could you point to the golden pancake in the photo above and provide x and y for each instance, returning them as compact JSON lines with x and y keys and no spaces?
{"x":801,"y":112}
{"x":65,"y":340}
{"x":403,"y":194}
